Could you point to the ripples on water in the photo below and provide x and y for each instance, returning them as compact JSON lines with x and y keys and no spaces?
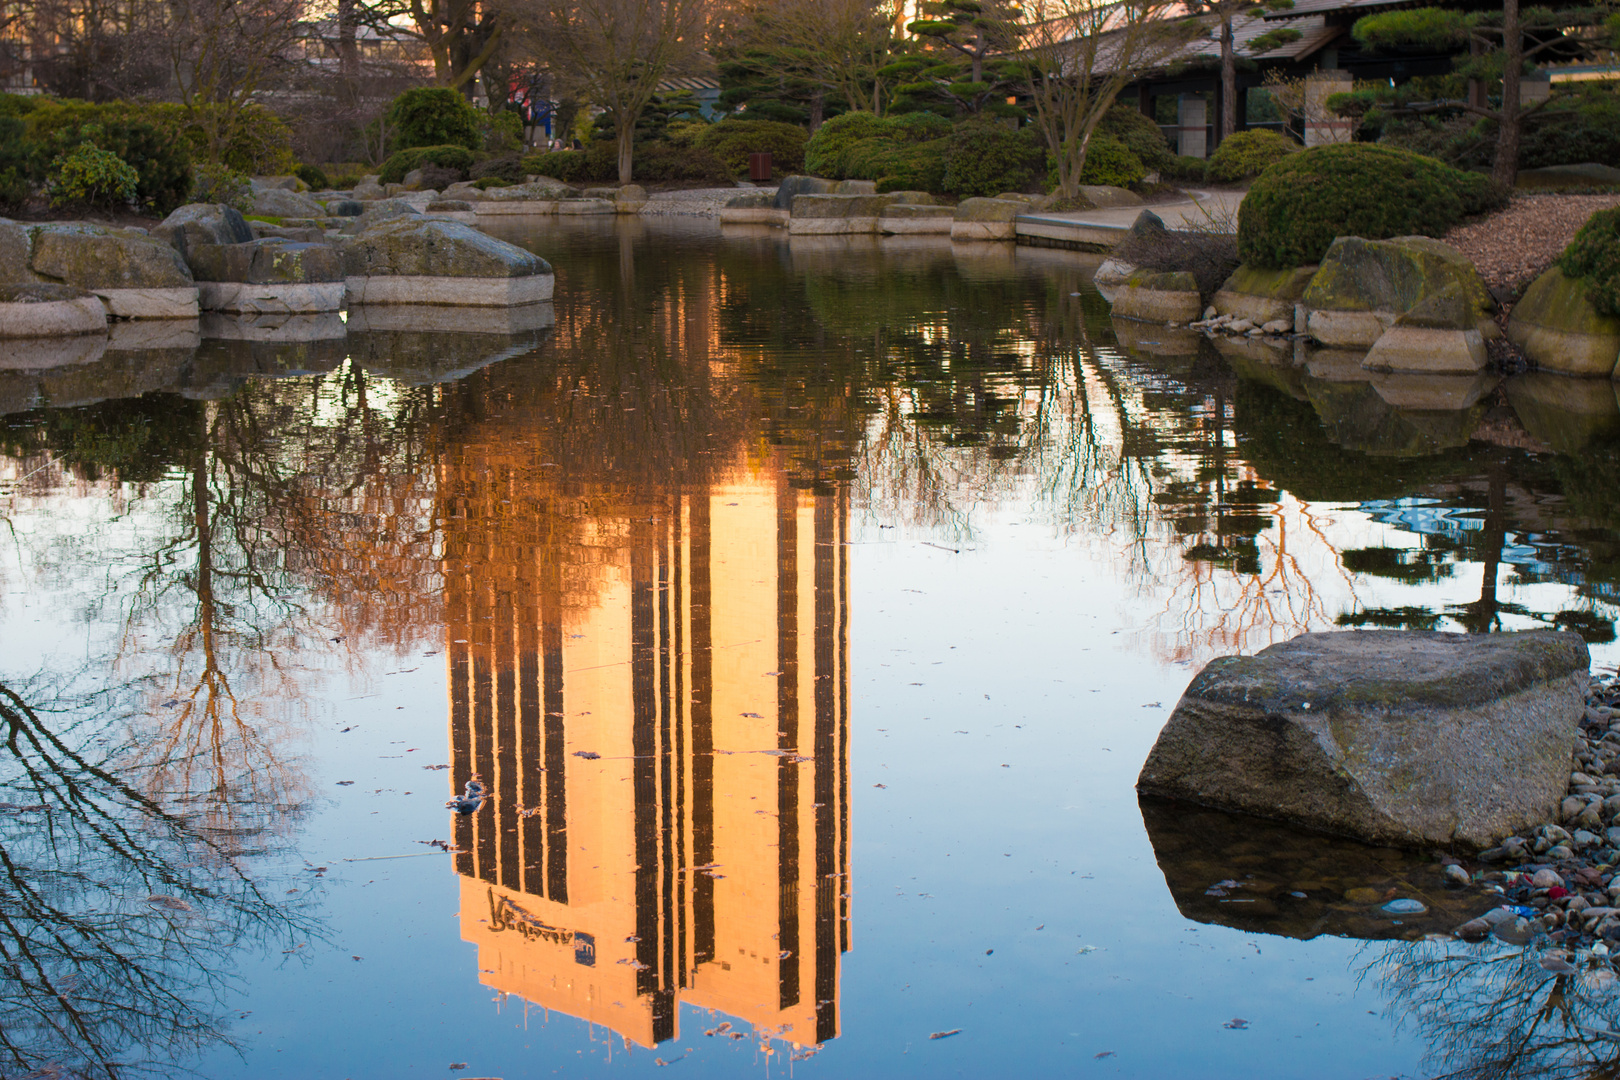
{"x":807,"y":608}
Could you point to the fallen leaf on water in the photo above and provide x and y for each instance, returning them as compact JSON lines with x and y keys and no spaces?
{"x":345,"y":783}
{"x":1104,"y":1054}
{"x":945,"y":1034}
{"x":1236,"y":1024}
{"x":588,"y":755}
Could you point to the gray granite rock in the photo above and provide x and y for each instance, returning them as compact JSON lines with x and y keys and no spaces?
{"x":1391,"y":737}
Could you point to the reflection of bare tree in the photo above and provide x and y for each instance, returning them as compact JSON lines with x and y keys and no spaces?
{"x":116,"y":917}
{"x":1489,"y":1013}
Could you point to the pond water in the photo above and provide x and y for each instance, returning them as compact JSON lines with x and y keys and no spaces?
{"x":806,"y":610}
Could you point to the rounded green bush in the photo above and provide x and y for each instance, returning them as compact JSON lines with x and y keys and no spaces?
{"x":1300,"y":205}
{"x":508,"y":167}
{"x":394,"y":169}
{"x":434,"y":116}
{"x":597,"y":164}
{"x":313,"y":176}
{"x":733,"y":140}
{"x":92,"y":177}
{"x":1244,"y":155}
{"x":985,"y":159}
{"x":826,"y":152}
{"x":1594,"y":254}
{"x":1141,"y":136}
{"x":1109,"y":161}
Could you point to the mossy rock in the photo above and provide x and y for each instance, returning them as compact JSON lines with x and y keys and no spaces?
{"x":977,"y":209}
{"x":97,"y":257}
{"x":429,"y":248}
{"x":1364,"y":286}
{"x":1560,"y":329}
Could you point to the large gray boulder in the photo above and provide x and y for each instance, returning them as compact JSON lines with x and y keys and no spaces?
{"x":35,"y":310}
{"x":281,"y":203}
{"x":203,"y":223}
{"x":1160,"y":298}
{"x":136,"y":276}
{"x":424,"y":261}
{"x":380,"y":211}
{"x":16,"y":249}
{"x":269,"y":276}
{"x":793,"y":186}
{"x":1407,"y":738}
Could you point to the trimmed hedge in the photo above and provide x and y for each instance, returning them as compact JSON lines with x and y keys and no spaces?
{"x":861,"y":146}
{"x":1141,"y":136}
{"x":731,"y":141}
{"x":1594,"y":254}
{"x":985,"y":159}
{"x":1243,"y":155}
{"x":394,"y":169}
{"x":435,"y":116}
{"x":508,"y":167}
{"x":1299,"y":205}
{"x":1110,"y":161}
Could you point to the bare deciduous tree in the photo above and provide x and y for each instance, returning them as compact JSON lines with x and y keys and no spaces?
{"x":618,"y":51}
{"x":222,"y":52}
{"x":1079,"y":55}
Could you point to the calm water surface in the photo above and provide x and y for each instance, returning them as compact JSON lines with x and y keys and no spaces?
{"x":807,"y":609}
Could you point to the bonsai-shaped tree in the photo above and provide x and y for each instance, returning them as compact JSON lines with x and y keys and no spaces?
{"x":956,"y":65}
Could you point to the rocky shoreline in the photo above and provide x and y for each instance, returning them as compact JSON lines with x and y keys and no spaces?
{"x":1561,"y":881}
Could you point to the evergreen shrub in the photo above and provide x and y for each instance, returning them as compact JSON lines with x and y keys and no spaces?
{"x":987,"y":158}
{"x":222,"y":184}
{"x":1299,"y":205}
{"x":434,"y":116}
{"x":1244,"y":155}
{"x":447,"y":156}
{"x":91,"y":177}
{"x":1594,"y":254}
{"x":139,"y":136}
{"x":314,"y":177}
{"x":732,"y":140}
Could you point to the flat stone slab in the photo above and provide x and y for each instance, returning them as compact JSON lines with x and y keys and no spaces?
{"x":176,"y":303}
{"x":29,"y":310}
{"x":1407,"y":738}
{"x":418,"y":318}
{"x":457,"y":291}
{"x":1161,"y":298}
{"x":271,"y":298}
{"x":515,"y":208}
{"x":584,"y":207}
{"x":753,"y":215}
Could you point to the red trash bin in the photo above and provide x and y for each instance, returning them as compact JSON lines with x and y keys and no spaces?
{"x":759,"y":166}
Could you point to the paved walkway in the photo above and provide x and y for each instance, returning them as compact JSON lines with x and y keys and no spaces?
{"x":1221,"y":205}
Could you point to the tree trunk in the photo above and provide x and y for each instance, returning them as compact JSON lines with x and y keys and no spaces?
{"x":348,"y":50}
{"x":627,"y":139}
{"x":1506,"y":167}
{"x":817,"y":109}
{"x":1228,"y":82}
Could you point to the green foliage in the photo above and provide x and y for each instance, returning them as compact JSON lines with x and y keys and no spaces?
{"x":19,"y":164}
{"x":313,"y":176}
{"x":508,"y":167}
{"x":986,"y":158}
{"x":909,"y":150}
{"x":19,"y":105}
{"x":487,"y":182}
{"x":680,"y":107}
{"x":222,"y":184}
{"x":1435,"y":27}
{"x":257,"y":142}
{"x":1185,"y":167}
{"x":663,"y":163}
{"x":141,"y":136}
{"x":448,"y":156}
{"x":1298,"y":206}
{"x":1108,"y":161}
{"x":503,"y":132}
{"x":432,"y":117}
{"x":575,"y":166}
{"x":92,"y":177}
{"x":1141,"y":135}
{"x":14,"y":190}
{"x":827,"y":152}
{"x":732,"y":140}
{"x":1243,"y":155}
{"x":1594,"y":254}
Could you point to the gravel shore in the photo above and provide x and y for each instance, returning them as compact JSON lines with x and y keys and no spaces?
{"x":1562,"y":882}
{"x":1512,"y":246}
{"x":696,"y":202}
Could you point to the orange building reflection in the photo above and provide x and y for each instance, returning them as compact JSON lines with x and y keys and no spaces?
{"x":655,"y":689}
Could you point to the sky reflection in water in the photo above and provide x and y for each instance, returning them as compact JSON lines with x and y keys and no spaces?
{"x":808,"y":609}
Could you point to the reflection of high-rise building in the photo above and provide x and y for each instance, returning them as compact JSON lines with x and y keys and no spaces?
{"x":655,"y":691}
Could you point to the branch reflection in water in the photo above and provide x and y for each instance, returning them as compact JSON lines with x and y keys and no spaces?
{"x":118,"y":918}
{"x":1493,"y":1012}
